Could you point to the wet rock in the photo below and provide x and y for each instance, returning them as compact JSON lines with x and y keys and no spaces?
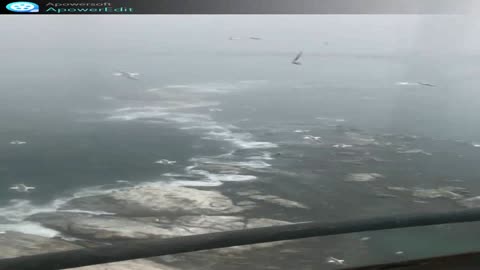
{"x":153,"y":200}
{"x":278,"y":201}
{"x":246,"y":204}
{"x":264,"y":222}
{"x":121,"y":228}
{"x":178,"y":199}
{"x":448,"y":192}
{"x":128,"y":265}
{"x":15,"y":244}
{"x":108,"y":204}
{"x":28,"y":228}
{"x":102,"y":227}
{"x":272,"y":199}
{"x":208,"y":224}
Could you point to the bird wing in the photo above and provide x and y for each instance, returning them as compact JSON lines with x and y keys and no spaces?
{"x":298,"y":56}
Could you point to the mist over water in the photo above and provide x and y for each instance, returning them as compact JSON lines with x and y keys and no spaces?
{"x":208,"y":112}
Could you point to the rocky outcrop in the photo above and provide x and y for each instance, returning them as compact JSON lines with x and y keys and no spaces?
{"x":127,"y":265}
{"x":15,"y":244}
{"x":123,"y":228}
{"x":151,"y":200}
{"x":271,"y":199}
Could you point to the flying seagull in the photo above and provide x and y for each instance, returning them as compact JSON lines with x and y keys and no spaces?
{"x":415,"y":84}
{"x":128,"y":75}
{"x":426,"y":84}
{"x":17,"y":142}
{"x":295,"y":60}
{"x":336,"y":261}
{"x":21,"y":188}
{"x":312,"y":138}
{"x":166,"y":162}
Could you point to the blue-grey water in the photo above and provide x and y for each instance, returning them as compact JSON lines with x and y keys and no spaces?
{"x":74,"y":117}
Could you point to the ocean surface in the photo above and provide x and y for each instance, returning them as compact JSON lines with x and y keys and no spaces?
{"x":347,"y":135}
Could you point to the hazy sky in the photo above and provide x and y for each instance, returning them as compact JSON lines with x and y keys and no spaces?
{"x":345,"y":33}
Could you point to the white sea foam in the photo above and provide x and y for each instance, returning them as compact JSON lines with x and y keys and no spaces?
{"x":254,"y":145}
{"x":264,"y":156}
{"x":18,"y":210}
{"x":415,"y":151}
{"x":93,"y":213}
{"x":206,"y":178}
{"x":363,"y":177}
{"x":242,"y":140}
{"x":214,"y":177}
{"x":252,"y":164}
{"x":29,"y":228}
{"x":197,"y":183}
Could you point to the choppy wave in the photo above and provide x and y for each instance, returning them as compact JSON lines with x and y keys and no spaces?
{"x":263,"y":156}
{"x":29,"y":228}
{"x":18,"y":210}
{"x":13,"y":216}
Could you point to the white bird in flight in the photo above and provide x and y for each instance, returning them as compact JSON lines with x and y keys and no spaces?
{"x":312,"y":138}
{"x":335,"y":261}
{"x":17,"y":142}
{"x":301,"y":130}
{"x":415,"y":83}
{"x":426,"y":84}
{"x":128,"y":75}
{"x":165,"y":162}
{"x":21,"y":188}
{"x":295,"y":60}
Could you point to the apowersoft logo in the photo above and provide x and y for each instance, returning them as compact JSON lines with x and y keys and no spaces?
{"x":23,"y":7}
